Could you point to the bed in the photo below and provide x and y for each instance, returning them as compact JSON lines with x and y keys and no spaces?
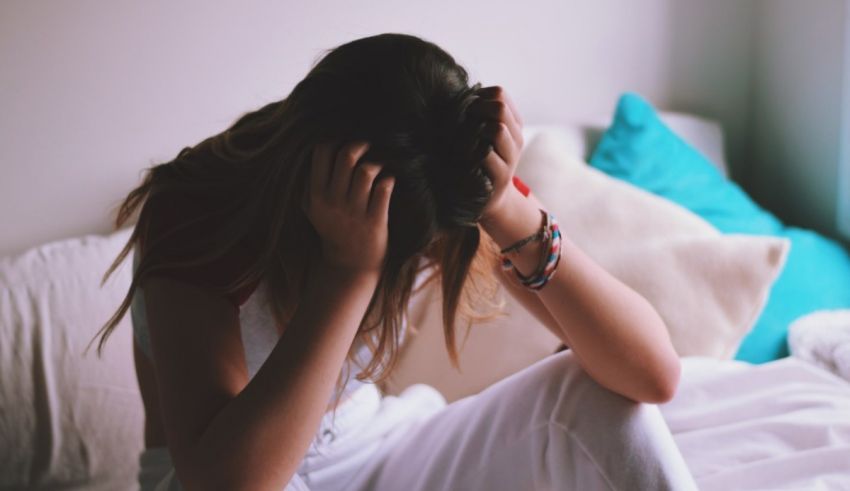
{"x":70,"y":421}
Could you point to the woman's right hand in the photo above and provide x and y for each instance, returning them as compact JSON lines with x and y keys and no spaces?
{"x":348,"y":207}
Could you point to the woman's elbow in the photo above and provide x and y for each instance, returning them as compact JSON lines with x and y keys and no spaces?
{"x":664,"y":381}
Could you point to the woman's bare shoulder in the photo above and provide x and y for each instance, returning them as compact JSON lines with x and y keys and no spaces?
{"x":178,"y":221}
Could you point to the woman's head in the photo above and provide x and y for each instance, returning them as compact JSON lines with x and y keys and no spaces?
{"x":407,"y":97}
{"x":404,"y":95}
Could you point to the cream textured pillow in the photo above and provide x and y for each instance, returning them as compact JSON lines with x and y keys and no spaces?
{"x":709,"y":288}
{"x":67,"y":421}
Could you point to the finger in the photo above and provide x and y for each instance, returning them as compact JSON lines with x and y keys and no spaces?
{"x":503,"y":143}
{"x":498,"y":110}
{"x":320,"y":167}
{"x":379,"y":203}
{"x":346,"y":160}
{"x":361,"y":185}
{"x":496,"y":168}
{"x":499,"y":92}
{"x":468,"y":141}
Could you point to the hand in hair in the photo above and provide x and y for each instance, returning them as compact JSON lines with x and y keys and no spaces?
{"x":348,"y":207}
{"x":503,"y":126}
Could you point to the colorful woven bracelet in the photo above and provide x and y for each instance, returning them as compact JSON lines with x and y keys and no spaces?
{"x":549,"y":260}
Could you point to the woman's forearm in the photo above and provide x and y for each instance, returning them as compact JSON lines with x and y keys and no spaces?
{"x":615,"y":332}
{"x":258,"y":439}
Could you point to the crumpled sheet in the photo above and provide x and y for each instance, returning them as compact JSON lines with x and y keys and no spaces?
{"x":775,"y":426}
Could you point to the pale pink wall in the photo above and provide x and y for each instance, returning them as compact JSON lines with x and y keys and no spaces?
{"x":93,"y":90}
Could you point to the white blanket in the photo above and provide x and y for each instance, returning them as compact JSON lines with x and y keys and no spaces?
{"x":780,"y":425}
{"x":823,"y":338}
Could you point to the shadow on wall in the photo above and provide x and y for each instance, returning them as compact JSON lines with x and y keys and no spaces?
{"x":709,"y":70}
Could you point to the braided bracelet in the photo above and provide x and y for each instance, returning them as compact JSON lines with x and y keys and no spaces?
{"x":539,"y":235}
{"x":549,"y":260}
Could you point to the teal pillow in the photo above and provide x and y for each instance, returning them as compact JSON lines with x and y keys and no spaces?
{"x":640,"y":149}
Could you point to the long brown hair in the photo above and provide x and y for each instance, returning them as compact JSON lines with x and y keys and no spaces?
{"x":408,"y":98}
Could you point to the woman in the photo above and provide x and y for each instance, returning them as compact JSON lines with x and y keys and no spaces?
{"x":275,"y":259}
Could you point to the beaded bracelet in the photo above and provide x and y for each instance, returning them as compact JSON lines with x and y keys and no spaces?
{"x":549,"y":260}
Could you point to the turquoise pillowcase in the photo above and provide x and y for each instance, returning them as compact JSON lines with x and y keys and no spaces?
{"x":640,"y":149}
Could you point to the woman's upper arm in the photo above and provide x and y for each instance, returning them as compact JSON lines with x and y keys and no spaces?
{"x":198,"y":357}
{"x":195,"y":336}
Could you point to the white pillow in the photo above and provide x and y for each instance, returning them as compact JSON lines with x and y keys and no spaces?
{"x":704,"y":134}
{"x":67,"y":421}
{"x":709,"y":288}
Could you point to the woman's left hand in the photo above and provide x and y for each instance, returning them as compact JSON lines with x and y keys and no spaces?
{"x":504,"y":128}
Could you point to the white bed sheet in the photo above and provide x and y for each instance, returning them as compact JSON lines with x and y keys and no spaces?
{"x":777,"y":426}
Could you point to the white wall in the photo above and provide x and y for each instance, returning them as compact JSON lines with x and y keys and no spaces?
{"x":92,"y":91}
{"x":797,"y":112}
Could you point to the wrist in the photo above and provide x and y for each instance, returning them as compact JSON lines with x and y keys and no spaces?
{"x":344,"y":260}
{"x":328,"y":273}
{"x":515,"y":218}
